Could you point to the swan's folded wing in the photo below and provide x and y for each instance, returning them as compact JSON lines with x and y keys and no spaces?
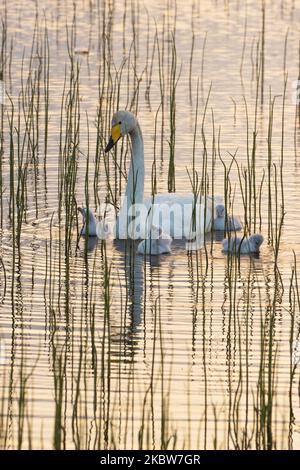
{"x":175,"y":214}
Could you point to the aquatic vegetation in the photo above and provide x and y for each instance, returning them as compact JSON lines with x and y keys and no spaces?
{"x":101,"y":348}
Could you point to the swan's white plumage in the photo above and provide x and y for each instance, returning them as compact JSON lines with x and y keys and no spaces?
{"x":173,"y":213}
{"x":182,"y":223}
{"x":158,"y":243}
{"x":96,"y":228}
{"x":223,"y":220}
{"x":244,"y":245}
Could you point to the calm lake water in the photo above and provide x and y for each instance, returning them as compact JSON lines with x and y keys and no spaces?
{"x":106,"y":349}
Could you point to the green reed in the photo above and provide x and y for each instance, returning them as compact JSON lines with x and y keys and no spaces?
{"x":192,"y":52}
{"x":294,"y":308}
{"x":91,"y":300}
{"x":262,"y":53}
{"x":3,"y":60}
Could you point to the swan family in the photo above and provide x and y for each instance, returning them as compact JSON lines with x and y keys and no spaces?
{"x":157,"y":219}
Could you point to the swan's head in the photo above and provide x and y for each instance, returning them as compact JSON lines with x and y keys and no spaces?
{"x":123,"y":122}
{"x":220,"y":210}
{"x":257,"y":240}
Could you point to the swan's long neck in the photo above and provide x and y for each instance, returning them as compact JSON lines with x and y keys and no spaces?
{"x":92,"y":223}
{"x":135,"y":183}
{"x":134,"y":192}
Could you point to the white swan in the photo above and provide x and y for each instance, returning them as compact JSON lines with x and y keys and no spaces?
{"x":222,"y":220}
{"x":243,"y":245}
{"x":92,"y":226}
{"x":176,"y":214}
{"x":158,"y":243}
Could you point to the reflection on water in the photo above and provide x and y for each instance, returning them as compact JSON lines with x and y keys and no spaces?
{"x":104,"y":348}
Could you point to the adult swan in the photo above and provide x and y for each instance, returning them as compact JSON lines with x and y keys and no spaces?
{"x":179,"y":215}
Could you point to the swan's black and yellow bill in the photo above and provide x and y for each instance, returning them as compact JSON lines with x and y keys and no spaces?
{"x":115,"y":136}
